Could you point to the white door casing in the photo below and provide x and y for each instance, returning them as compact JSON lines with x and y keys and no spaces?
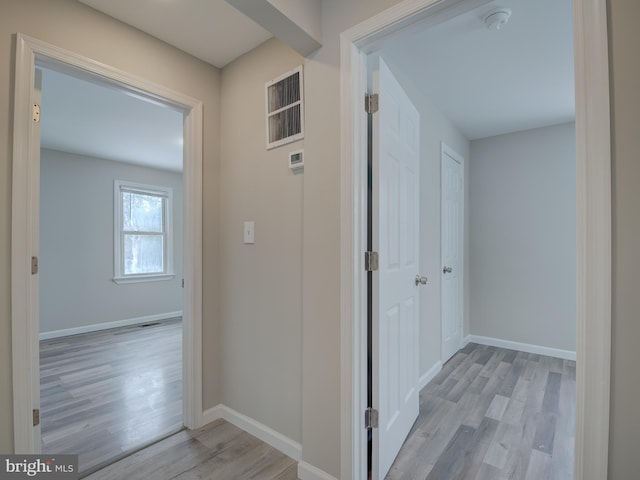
{"x":452,"y":248}
{"x":396,"y":147}
{"x":25,"y":232}
{"x":593,"y":142}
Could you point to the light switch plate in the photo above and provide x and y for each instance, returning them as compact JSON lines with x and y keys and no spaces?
{"x":249,"y":233}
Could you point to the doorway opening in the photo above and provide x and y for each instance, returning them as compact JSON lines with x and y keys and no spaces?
{"x":110,"y":296}
{"x":508,"y":225}
{"x":592,"y":332}
{"x":31,"y":55}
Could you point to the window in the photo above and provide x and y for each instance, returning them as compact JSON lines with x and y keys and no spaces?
{"x":143,"y":233}
{"x":285,"y":112}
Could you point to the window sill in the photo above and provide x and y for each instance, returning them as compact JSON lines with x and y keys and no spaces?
{"x":144,"y":278}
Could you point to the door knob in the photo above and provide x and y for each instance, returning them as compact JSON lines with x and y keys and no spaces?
{"x":421,"y":280}
{"x":447,"y":270}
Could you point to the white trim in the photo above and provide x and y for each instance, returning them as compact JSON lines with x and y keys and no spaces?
{"x":306,"y":471}
{"x":192,"y":267}
{"x":593,"y":137}
{"x":154,"y":277}
{"x":429,"y":375}
{"x":212,"y":414}
{"x":25,"y":225}
{"x":66,"y":332}
{"x":521,"y":347}
{"x":166,"y":194}
{"x":24,"y":287}
{"x":593,"y":233}
{"x":353,"y":185}
{"x":280,"y":442}
{"x":284,"y":444}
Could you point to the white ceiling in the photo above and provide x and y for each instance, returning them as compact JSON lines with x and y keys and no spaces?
{"x":491,"y":82}
{"x":211,"y":30}
{"x":85,"y":118}
{"x":486,"y":82}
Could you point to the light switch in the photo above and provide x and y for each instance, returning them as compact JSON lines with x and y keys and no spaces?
{"x":249,"y":228}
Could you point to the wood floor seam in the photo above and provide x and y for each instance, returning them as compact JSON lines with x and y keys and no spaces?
{"x":493,"y":414}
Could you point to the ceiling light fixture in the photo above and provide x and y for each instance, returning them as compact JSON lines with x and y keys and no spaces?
{"x":497,"y":18}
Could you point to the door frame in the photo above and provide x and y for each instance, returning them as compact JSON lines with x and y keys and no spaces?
{"x":593,"y":227}
{"x":447,"y":150}
{"x":25,"y":230}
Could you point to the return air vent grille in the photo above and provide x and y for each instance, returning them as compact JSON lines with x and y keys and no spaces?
{"x":285,"y":109}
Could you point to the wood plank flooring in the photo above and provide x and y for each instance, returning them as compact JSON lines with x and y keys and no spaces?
{"x":490,"y":414}
{"x":493,"y":414}
{"x":107,"y":393}
{"x":218,"y":451}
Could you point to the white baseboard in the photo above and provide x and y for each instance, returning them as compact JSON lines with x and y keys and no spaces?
{"x":523,"y":347}
{"x":107,"y":325}
{"x":306,"y":471}
{"x":212,"y":414}
{"x":427,"y":377}
{"x":290,"y":448}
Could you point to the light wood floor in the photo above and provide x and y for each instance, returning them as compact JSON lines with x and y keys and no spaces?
{"x":107,"y":393}
{"x":493,"y":414}
{"x":218,"y":451}
{"x":490,"y":414}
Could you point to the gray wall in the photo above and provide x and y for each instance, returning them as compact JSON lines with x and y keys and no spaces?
{"x":76,"y":27}
{"x":76,"y":244}
{"x":523,"y":237}
{"x":624,"y":461}
{"x":261,"y":284}
{"x":435,"y":128}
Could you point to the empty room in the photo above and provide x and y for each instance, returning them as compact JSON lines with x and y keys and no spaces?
{"x":110,"y":269}
{"x":494,"y":301}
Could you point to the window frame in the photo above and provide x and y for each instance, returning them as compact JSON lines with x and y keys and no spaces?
{"x":166,"y":193}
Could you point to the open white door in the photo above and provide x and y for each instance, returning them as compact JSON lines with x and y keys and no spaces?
{"x":396,"y":146}
{"x":451,"y":247}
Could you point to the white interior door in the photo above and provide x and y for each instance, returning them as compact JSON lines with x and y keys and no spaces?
{"x":452,"y":250}
{"x":396,"y":147}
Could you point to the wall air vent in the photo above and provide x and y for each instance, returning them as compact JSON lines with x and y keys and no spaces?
{"x":285,"y":109}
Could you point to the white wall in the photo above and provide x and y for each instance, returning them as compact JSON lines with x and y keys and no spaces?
{"x":523,"y":237}
{"x":76,"y":244}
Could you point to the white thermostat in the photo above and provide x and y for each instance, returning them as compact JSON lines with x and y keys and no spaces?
{"x":296,"y":160}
